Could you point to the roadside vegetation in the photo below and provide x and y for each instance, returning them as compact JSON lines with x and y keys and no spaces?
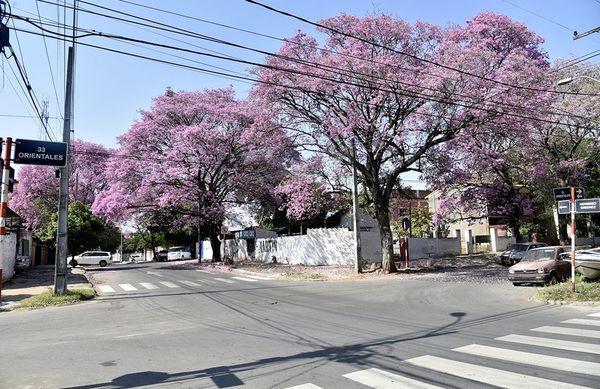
{"x":48,"y":298}
{"x":586,"y":291}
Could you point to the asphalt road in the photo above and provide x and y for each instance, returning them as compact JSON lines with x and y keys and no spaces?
{"x":162,"y":326}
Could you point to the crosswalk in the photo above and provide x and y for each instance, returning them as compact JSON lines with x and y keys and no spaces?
{"x":586,"y":363}
{"x":106,"y":289}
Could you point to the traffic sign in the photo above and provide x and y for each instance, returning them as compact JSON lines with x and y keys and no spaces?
{"x":564,"y":207}
{"x":565,"y":193}
{"x":37,"y":152}
{"x":587,"y":205}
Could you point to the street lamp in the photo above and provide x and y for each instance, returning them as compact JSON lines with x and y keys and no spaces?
{"x":568,"y":80}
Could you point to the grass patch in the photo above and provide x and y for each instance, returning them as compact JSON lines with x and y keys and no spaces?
{"x":586,"y":291}
{"x":48,"y":298}
{"x":305,"y":276}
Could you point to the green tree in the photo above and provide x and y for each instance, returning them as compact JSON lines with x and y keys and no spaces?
{"x":84,"y":229}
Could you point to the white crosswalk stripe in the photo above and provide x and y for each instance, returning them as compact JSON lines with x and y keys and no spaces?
{"x":106,"y":289}
{"x":245,"y":279}
{"x":305,"y":386}
{"x":127,"y":287}
{"x":381,"y":379}
{"x":597,"y":314}
{"x":540,"y":360}
{"x":488,"y":375}
{"x":169,"y":284}
{"x":189,"y":283}
{"x":552,"y":343}
{"x":584,"y":322}
{"x":568,"y":331}
{"x":225,"y":280}
{"x":148,"y":285}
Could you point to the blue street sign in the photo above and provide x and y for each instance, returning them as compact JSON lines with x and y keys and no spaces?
{"x":37,"y":152}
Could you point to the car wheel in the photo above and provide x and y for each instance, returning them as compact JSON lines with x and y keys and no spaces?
{"x":517,"y":284}
{"x":73,"y":263}
{"x":103,"y":263}
{"x":552,"y":280}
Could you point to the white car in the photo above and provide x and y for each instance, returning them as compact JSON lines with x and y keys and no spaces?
{"x":178,"y":252}
{"x":101,"y":258}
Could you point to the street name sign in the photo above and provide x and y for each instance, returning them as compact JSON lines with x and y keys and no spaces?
{"x":564,"y":207}
{"x":37,"y":152}
{"x":587,"y":205}
{"x":565,"y":193}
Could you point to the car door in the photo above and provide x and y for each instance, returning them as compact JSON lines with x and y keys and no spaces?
{"x":85,"y":258}
{"x":563,"y":265}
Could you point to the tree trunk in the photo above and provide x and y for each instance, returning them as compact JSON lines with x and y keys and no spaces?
{"x":215,"y":243}
{"x":382,"y":214}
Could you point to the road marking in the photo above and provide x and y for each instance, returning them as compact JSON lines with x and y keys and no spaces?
{"x":127,"y":287}
{"x":189,"y":283}
{"x":224,"y":280}
{"x":154,"y":274}
{"x":169,"y":284}
{"x":305,"y":386}
{"x":380,"y":379}
{"x":568,"y":331}
{"x":203,"y":271}
{"x":597,"y":314}
{"x":488,"y":375}
{"x":148,"y":285}
{"x":540,"y":360}
{"x":553,"y":343}
{"x":106,"y":289}
{"x":244,"y":279}
{"x":585,"y":322}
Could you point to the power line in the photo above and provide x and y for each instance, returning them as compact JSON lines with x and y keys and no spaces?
{"x":405,"y":53}
{"x":30,"y":92}
{"x":48,"y":58}
{"x":297,"y":72}
{"x":175,"y":30}
{"x":539,"y":16}
{"x":165,"y":27}
{"x":407,"y":94}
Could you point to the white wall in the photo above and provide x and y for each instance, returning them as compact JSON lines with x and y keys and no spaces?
{"x":8,"y":251}
{"x":433,"y":248}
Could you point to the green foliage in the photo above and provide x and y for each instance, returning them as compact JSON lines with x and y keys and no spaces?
{"x":421,"y":220}
{"x":49,"y":298}
{"x":586,"y":291}
{"x":85,"y":231}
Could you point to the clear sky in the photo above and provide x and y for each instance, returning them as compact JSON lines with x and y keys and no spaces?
{"x":110,"y":88}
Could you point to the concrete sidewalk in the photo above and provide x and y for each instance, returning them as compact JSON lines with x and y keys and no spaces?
{"x":35,"y":281}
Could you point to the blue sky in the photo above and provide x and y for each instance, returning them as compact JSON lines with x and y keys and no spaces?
{"x":111,"y":88}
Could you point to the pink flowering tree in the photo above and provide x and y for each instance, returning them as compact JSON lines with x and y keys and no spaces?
{"x":196,"y":155}
{"x":35,"y":197}
{"x":375,"y":81}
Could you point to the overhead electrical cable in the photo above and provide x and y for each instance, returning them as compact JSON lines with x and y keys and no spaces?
{"x":408,"y":93}
{"x":413,"y":56}
{"x":232,"y":76}
{"x":49,"y":64}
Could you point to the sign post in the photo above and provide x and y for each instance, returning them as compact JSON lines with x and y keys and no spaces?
{"x":573,"y":238}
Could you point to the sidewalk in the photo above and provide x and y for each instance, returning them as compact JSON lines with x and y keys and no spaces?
{"x":35,"y":281}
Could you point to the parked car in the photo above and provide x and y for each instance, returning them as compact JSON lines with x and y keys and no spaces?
{"x":102,"y":258}
{"x":515,"y":252}
{"x":22,"y":263}
{"x":162,"y":255}
{"x":136,"y":257}
{"x":178,"y":252}
{"x":544,"y":265}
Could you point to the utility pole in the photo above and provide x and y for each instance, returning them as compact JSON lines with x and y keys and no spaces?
{"x":4,"y":199}
{"x":60,"y":273}
{"x":356,"y":223}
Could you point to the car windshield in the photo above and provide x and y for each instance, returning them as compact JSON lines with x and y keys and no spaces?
{"x":179,"y":248}
{"x":517,"y":247}
{"x":538,"y":255}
